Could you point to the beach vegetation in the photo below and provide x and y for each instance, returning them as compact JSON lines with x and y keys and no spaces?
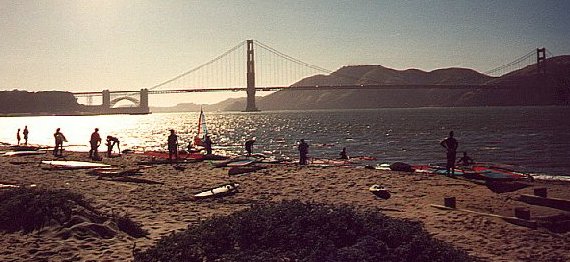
{"x":31,"y":209}
{"x":297,"y":231}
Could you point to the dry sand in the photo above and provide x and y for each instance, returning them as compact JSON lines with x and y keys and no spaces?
{"x":163,"y":209}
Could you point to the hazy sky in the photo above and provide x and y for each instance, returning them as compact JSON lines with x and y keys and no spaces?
{"x":96,"y":44}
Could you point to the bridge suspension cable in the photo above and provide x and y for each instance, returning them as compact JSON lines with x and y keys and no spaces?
{"x":523,"y":61}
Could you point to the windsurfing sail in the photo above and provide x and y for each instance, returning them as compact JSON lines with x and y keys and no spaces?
{"x":202,"y":130}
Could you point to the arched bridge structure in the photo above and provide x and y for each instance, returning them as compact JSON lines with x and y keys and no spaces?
{"x":253,"y":67}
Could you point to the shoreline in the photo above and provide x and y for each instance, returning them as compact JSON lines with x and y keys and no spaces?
{"x":163,"y":209}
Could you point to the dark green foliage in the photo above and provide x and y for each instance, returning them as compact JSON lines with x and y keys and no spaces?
{"x":31,"y":209}
{"x":292,"y":231}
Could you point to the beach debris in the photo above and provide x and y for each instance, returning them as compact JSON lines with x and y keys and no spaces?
{"x":557,"y":203}
{"x":380,"y":191}
{"x":513,"y":220}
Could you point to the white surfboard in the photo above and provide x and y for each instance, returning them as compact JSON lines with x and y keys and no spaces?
{"x":74,"y":164}
{"x":221,"y":190}
{"x":24,"y":153}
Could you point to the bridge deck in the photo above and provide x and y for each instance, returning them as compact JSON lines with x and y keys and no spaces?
{"x":318,"y":87}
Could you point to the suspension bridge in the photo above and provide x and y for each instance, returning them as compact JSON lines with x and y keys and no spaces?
{"x":252,"y":66}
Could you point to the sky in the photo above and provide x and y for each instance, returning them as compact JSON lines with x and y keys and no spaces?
{"x":91,"y":45}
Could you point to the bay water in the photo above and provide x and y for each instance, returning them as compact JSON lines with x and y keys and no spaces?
{"x":532,"y":139}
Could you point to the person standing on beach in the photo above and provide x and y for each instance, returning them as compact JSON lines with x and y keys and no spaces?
{"x":95,"y":142}
{"x":172,"y":145}
{"x":451,"y":145}
{"x":303,"y":152}
{"x":59,"y":139}
{"x":343,"y":154}
{"x":249,"y":146}
{"x":111,"y":142}
{"x":18,"y":136}
{"x":26,"y":132}
{"x":208,"y":145}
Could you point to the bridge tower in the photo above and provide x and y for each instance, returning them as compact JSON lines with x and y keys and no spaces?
{"x":143,"y":101}
{"x":106,"y":102}
{"x":540,"y":61}
{"x":250,"y":107}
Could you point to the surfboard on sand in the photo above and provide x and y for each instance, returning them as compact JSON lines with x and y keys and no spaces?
{"x":241,"y":163}
{"x":24,"y":153}
{"x":223,"y":190}
{"x":60,"y":164}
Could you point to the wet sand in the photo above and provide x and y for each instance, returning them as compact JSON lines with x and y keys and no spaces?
{"x":163,"y":209}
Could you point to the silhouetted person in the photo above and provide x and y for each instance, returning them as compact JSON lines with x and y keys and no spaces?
{"x":18,"y":136}
{"x":303,"y":152}
{"x":111,"y":142}
{"x":172,"y":145}
{"x":343,"y":154}
{"x":465,"y":159}
{"x":249,"y":146}
{"x":95,"y":142}
{"x":26,"y":132}
{"x":451,"y":145}
{"x":59,"y":139}
{"x":208,"y":145}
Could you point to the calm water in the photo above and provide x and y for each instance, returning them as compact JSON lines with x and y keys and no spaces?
{"x":532,"y":138}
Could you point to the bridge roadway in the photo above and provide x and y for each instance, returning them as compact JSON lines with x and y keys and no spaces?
{"x":317,"y":87}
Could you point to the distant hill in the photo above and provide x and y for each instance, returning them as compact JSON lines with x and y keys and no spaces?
{"x":37,"y":102}
{"x":530,"y":90}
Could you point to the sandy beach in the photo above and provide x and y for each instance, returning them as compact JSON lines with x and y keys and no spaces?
{"x":169,"y":207}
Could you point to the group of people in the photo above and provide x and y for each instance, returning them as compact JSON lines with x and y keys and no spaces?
{"x":95,"y":142}
{"x":25,"y":133}
{"x":172,"y":143}
{"x":450,"y":144}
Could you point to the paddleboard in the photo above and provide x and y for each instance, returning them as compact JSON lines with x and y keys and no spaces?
{"x":241,"y":163}
{"x":24,"y":153}
{"x":74,"y":164}
{"x":220,"y":191}
{"x":380,"y":191}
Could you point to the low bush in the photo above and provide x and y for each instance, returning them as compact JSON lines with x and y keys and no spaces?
{"x":291,"y":231}
{"x":29,"y":209}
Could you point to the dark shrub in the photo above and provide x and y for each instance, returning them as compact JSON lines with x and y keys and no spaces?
{"x":292,"y":231}
{"x":29,"y":209}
